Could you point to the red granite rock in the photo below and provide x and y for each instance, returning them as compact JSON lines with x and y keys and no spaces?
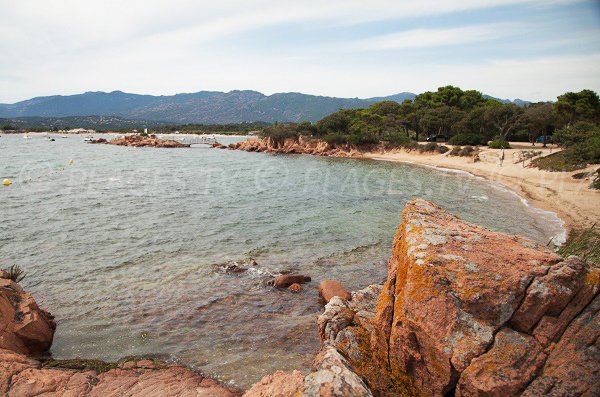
{"x":330,"y":288}
{"x":24,"y":327}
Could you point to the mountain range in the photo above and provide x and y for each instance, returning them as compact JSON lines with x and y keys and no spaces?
{"x":204,"y":107}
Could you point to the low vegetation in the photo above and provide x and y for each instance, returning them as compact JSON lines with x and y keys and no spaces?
{"x":15,"y":273}
{"x":467,"y":151}
{"x":499,"y":144}
{"x":584,"y":243}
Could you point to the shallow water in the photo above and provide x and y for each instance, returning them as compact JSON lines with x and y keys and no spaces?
{"x":120,"y":245}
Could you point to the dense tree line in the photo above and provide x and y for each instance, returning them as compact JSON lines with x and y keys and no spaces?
{"x":465,"y":117}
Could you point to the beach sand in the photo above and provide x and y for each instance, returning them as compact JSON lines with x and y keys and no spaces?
{"x":571,"y":199}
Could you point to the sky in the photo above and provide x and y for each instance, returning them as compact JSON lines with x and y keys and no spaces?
{"x":528,"y":49}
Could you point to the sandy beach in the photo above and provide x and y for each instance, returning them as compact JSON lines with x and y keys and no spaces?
{"x":570,"y":198}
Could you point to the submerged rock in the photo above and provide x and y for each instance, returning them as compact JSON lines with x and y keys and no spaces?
{"x":285,"y":280}
{"x":26,"y":329}
{"x":295,"y":287}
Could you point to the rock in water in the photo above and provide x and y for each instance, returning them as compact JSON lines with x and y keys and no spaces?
{"x":139,"y":141}
{"x":24,"y":327}
{"x":27,"y":329}
{"x":295,"y":287}
{"x":285,"y":280}
{"x":330,"y":288}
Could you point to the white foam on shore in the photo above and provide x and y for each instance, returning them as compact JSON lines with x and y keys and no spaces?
{"x":558,"y":239}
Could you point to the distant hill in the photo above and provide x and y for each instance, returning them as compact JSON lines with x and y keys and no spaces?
{"x":518,"y":102}
{"x":201,"y":107}
{"x":205,"y":107}
{"x":93,"y":122}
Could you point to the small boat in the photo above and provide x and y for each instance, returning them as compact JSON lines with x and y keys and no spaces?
{"x":26,"y":136}
{"x":64,"y":136}
{"x":88,"y":138}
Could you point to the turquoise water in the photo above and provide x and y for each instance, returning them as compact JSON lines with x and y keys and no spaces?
{"x":121,"y":246}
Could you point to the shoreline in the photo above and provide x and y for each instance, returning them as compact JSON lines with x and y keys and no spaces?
{"x":557,"y":192}
{"x":570,"y":199}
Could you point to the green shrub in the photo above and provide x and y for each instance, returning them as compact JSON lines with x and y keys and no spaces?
{"x":399,"y":139}
{"x":466,"y":139}
{"x":412,"y":145}
{"x":596,"y":183}
{"x":335,"y":139}
{"x":557,"y":162}
{"x":499,"y":144}
{"x":443,"y":149}
{"x":429,"y":147}
{"x":463,"y":151}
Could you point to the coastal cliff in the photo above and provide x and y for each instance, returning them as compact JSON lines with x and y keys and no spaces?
{"x":464,"y":311}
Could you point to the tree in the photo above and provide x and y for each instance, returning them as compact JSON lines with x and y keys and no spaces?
{"x":578,"y":106}
{"x":504,"y":119}
{"x":539,"y":119}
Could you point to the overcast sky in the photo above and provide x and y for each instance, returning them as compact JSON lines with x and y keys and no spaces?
{"x":529,"y":49}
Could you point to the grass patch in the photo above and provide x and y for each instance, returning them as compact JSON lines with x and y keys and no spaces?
{"x":584,"y":243}
{"x":557,"y":162}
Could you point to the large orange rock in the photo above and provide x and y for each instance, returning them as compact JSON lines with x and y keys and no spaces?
{"x":473,"y":312}
{"x":24,"y":327}
{"x":330,"y":288}
{"x":20,"y":376}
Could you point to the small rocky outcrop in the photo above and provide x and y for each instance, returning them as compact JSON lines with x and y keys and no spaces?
{"x":24,"y":327}
{"x":294,"y":146}
{"x":25,"y":330}
{"x":140,"y":141}
{"x":22,"y":376}
{"x":330,"y":288}
{"x":470,"y":312}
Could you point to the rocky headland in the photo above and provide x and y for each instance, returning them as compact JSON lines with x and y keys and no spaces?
{"x":464,"y":311}
{"x":292,"y":146}
{"x":141,"y":141}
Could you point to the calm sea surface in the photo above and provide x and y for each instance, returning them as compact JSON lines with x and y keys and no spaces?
{"x":123,"y":246}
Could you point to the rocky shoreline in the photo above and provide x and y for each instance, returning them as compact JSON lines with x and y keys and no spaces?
{"x":292,"y":146}
{"x":142,"y":141}
{"x":464,"y":311}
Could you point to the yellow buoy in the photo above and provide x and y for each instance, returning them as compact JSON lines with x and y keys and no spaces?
{"x":71,"y":162}
{"x":6,"y":182}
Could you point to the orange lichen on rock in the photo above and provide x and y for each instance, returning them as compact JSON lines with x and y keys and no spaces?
{"x":469,"y":311}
